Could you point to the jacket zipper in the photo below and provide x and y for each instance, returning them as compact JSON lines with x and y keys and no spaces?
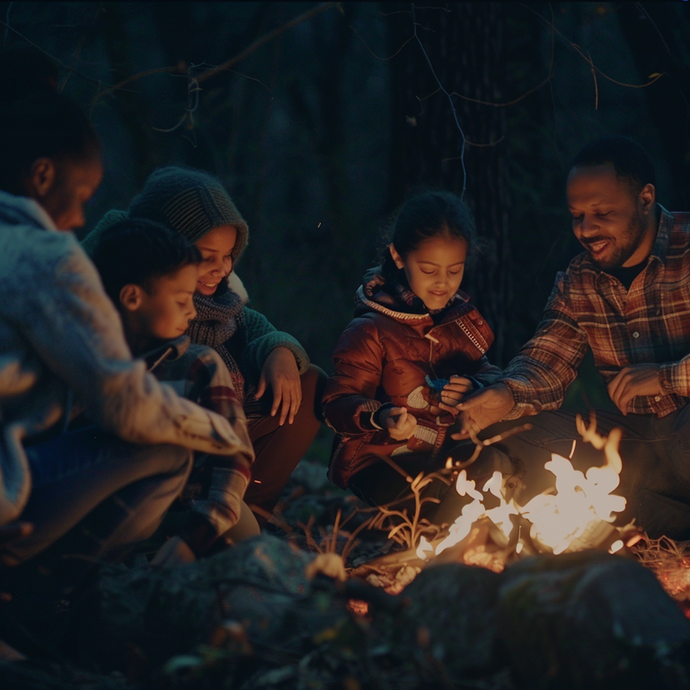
{"x":473,"y":339}
{"x":464,"y":328}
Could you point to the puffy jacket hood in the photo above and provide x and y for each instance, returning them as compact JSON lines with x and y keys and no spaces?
{"x":395,"y":299}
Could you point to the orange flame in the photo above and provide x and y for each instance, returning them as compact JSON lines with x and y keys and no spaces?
{"x":560,"y":521}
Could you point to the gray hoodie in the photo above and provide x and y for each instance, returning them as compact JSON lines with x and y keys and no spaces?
{"x":60,"y":336}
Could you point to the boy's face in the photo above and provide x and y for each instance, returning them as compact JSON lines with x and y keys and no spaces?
{"x":165,"y":310}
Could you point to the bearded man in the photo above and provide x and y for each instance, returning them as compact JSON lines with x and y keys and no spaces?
{"x":627,"y":297}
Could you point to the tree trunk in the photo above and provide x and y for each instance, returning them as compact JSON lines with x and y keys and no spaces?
{"x":464,"y":45}
{"x":650,"y":30}
{"x":127,"y":103}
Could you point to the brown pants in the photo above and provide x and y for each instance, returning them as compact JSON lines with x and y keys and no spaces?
{"x":279,"y":448}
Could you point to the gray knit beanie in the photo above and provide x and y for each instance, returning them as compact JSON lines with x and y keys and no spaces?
{"x":91,"y":240}
{"x":190,"y":202}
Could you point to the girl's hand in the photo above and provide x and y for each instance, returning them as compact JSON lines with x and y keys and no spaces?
{"x":280,"y":372}
{"x":398,"y":422}
{"x":456,"y":390}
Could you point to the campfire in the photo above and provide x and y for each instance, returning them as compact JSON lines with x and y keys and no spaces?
{"x":577,"y":514}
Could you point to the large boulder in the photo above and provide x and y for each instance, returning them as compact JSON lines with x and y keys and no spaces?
{"x":591,"y":620}
{"x":448,"y":622}
{"x":256,"y":598}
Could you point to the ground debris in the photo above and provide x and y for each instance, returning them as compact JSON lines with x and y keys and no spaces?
{"x":38,"y":675}
{"x":670,"y":562}
{"x":275,"y":613}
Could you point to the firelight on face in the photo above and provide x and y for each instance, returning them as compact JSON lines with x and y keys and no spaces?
{"x":166,"y":309}
{"x":434,"y":270}
{"x":609,"y":220}
{"x":74,"y":185}
{"x":216,"y":253}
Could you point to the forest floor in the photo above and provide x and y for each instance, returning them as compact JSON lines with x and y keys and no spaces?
{"x":142,"y":630}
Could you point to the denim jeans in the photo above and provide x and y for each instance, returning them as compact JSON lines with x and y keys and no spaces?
{"x":655,"y":452}
{"x":93,"y":492}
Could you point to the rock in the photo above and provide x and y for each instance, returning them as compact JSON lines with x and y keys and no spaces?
{"x":255,"y":598}
{"x":591,"y":620}
{"x":449,"y":623}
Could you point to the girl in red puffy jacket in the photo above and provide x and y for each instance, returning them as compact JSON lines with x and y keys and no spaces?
{"x":415,"y":342}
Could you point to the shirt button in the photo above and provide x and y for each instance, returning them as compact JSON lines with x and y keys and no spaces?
{"x":635,"y":334}
{"x":657,"y":398}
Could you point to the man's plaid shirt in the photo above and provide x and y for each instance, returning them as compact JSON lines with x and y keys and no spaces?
{"x":649,"y":324}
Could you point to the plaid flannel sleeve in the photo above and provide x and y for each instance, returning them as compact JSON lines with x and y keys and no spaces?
{"x":543,"y":369}
{"x":674,"y":377}
{"x":209,"y":384}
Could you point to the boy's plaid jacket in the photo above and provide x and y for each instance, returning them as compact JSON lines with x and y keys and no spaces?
{"x":197,"y":372}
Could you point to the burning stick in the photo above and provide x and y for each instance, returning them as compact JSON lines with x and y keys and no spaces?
{"x":480,"y":445}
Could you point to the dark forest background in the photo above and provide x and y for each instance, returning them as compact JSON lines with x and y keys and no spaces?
{"x":321,"y":118}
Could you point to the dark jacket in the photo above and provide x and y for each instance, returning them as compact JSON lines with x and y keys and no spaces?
{"x":394,"y":353}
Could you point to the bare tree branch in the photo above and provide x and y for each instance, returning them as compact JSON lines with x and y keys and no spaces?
{"x":265,"y":39}
{"x":225,"y":66}
{"x":588,"y":60}
{"x":47,"y":54}
{"x":80,"y":45}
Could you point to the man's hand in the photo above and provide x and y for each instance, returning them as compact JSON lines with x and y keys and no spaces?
{"x":454,"y":391}
{"x":281,"y":374}
{"x":641,"y":379}
{"x":9,"y":534}
{"x":398,"y":422}
{"x":484,"y":408}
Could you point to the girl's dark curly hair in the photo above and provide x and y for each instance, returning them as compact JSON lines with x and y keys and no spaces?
{"x":426,"y":215}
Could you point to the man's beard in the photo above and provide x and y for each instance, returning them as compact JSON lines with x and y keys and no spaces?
{"x":625,"y":247}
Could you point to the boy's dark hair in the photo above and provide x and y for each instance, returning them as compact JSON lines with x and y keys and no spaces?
{"x":629,"y":159}
{"x":424,"y":216}
{"x":138,"y":252}
{"x":36,"y":121}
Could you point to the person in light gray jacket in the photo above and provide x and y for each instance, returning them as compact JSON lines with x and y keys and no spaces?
{"x":62,"y":346}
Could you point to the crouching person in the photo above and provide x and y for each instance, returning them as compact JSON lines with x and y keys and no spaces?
{"x":61,"y":340}
{"x":150,"y":273}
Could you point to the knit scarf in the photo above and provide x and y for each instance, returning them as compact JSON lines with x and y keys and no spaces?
{"x":218,"y":319}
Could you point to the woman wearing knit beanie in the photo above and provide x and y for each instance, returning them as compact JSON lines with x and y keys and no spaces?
{"x":281,"y":390}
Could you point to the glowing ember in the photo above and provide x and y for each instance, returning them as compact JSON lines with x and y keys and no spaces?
{"x":358,"y":607}
{"x":616,"y":546}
